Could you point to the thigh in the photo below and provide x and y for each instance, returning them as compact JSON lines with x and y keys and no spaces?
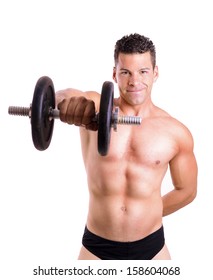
{"x":86,"y":255}
{"x":163,"y":254}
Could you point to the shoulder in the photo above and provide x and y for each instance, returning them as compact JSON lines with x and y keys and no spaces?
{"x":180,"y":133}
{"x":176,"y":129}
{"x":170,"y":121}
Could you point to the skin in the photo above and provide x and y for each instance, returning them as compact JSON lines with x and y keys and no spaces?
{"x":130,"y":206}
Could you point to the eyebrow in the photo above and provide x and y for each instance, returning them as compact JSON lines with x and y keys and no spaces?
{"x":144,"y":68}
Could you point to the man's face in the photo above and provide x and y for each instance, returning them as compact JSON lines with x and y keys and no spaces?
{"x":135,"y":76}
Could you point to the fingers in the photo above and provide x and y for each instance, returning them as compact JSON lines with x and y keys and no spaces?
{"x":78,"y":111}
{"x":85,"y":111}
{"x":63,"y":108}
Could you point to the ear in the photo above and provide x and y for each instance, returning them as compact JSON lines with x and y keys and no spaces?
{"x":156,"y":73}
{"x":114,"y":74}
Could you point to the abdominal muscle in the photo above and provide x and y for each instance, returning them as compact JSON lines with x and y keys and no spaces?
{"x":122,"y":218}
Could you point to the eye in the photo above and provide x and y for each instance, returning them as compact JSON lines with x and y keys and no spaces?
{"x":124,"y":72}
{"x":144,"y":71}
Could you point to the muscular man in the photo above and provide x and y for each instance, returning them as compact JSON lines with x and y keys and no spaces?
{"x":125,"y":206}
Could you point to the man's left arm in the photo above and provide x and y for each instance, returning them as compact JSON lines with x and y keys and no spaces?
{"x":183,"y":169}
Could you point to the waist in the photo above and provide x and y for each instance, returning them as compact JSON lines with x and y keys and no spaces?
{"x":124,"y":221}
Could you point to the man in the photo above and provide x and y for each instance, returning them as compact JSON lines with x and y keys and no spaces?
{"x":126,"y":207}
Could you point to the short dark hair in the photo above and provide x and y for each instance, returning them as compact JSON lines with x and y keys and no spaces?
{"x":135,"y":43}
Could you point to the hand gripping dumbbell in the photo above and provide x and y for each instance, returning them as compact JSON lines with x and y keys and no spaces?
{"x":42,"y":113}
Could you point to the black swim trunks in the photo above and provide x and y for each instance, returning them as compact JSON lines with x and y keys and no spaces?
{"x":143,"y":249}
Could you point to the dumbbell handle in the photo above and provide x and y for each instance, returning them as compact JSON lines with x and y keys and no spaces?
{"x":54,"y":113}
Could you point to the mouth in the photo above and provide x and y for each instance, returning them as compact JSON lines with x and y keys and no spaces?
{"x":135,"y":91}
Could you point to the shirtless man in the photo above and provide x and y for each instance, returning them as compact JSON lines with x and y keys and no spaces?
{"x":126,"y":207}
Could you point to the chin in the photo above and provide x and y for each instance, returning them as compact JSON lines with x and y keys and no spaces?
{"x":136,"y":102}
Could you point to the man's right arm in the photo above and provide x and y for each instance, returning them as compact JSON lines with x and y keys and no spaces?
{"x":71,"y":92}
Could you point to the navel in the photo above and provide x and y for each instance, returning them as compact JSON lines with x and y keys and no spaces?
{"x":157,"y":162}
{"x":123,"y":209}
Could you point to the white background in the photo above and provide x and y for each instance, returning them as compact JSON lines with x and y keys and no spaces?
{"x":43,"y":195}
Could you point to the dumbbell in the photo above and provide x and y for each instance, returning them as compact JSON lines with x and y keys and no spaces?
{"x":42,"y":113}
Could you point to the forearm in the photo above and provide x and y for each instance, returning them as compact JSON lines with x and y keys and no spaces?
{"x":67,"y":93}
{"x":175,"y":200}
{"x":70,"y":92}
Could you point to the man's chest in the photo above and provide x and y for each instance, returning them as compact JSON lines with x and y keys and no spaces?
{"x":149,"y":145}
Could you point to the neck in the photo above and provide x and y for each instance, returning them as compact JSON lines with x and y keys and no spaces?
{"x":144,"y":109}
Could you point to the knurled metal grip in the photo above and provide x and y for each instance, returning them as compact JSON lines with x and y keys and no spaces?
{"x":42,"y":113}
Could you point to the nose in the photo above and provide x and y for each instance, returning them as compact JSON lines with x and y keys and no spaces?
{"x":134,"y":80}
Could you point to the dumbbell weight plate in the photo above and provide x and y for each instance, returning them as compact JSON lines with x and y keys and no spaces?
{"x":105,"y":117}
{"x":41,"y":125}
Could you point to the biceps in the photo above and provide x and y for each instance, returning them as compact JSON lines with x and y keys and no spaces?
{"x":184,"y":170}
